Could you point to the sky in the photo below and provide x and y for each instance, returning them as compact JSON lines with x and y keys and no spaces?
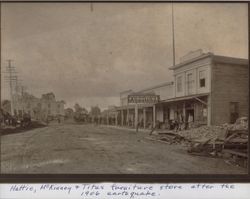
{"x":90,"y":56}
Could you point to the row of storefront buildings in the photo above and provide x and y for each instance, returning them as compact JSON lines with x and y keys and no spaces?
{"x":207,"y":89}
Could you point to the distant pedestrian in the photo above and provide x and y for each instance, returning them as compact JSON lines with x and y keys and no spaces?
{"x":176,"y":125}
{"x":137,"y":127}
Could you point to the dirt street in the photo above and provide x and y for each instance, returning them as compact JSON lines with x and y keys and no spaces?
{"x":93,"y":149}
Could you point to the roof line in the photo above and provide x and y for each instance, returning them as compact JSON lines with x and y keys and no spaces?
{"x":230,"y":60}
{"x":191,"y":60}
{"x":126,"y":91}
{"x":215,"y":58}
{"x":156,"y":86}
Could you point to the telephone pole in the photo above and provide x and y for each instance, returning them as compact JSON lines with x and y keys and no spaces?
{"x":17,"y":86}
{"x":11,"y":78}
{"x":23,"y":89}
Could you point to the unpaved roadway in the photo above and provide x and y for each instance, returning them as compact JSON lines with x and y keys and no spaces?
{"x":90,"y":149}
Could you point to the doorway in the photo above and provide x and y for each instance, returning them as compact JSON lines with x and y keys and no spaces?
{"x":189,"y":115}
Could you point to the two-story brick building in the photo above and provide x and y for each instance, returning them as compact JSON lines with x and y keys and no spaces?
{"x":210,"y":89}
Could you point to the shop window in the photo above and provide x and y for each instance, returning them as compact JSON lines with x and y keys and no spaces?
{"x":202,"y":77}
{"x":179,"y":84}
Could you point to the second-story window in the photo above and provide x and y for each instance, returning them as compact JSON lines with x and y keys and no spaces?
{"x":190,"y":82}
{"x":49,"y":105}
{"x":202,"y":78}
{"x":179,"y":84}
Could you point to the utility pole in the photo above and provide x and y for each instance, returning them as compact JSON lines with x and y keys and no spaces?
{"x":17,"y":93}
{"x":11,"y":78}
{"x":23,"y":88}
{"x":18,"y":85}
{"x":173,"y":34}
{"x":0,"y":72}
{"x":0,"y":84}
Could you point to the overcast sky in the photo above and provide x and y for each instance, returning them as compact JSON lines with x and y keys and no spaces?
{"x":89,"y":57}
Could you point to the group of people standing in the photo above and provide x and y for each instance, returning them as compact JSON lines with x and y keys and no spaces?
{"x":13,"y":120}
{"x":180,"y":123}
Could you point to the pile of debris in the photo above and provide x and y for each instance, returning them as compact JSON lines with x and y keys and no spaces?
{"x":166,"y":137}
{"x":229,"y":141}
{"x":204,"y":132}
{"x":205,"y":140}
{"x":200,"y":134}
{"x":235,"y":147}
{"x":240,"y":124}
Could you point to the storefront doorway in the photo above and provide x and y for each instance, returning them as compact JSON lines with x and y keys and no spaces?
{"x":189,"y":115}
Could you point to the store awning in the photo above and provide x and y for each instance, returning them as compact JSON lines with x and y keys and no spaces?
{"x":176,"y":99}
{"x":132,"y":106}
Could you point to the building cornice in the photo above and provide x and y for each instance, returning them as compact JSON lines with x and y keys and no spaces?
{"x":230,"y":60}
{"x":191,"y":61}
{"x":214,"y":59}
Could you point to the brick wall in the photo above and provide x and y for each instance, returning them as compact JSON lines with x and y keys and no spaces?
{"x":229,"y":84}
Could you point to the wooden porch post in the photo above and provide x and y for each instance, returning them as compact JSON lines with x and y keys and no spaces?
{"x":144,"y":118}
{"x":154,"y":116}
{"x":122,"y":118}
{"x":136,"y":116}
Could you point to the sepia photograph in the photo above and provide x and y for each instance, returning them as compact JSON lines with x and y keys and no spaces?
{"x":124,"y":88}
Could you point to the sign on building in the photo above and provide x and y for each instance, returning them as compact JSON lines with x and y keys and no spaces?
{"x":143,"y":99}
